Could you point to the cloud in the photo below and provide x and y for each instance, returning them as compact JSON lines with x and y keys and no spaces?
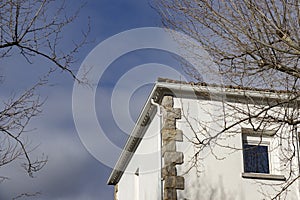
{"x":71,"y":171}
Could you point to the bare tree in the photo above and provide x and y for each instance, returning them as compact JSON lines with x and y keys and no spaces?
{"x":255,"y":45}
{"x":246,"y":39}
{"x":31,"y":29}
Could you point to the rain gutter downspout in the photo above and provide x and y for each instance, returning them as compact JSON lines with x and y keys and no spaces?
{"x":159,"y":114}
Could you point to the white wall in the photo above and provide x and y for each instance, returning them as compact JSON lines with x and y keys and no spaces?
{"x":147,"y":160}
{"x":220,"y":170}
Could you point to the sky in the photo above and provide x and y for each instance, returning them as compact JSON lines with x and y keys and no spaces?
{"x":72,"y":171}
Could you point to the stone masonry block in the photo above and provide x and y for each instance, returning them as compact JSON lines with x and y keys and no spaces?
{"x":168,"y":134}
{"x":179,"y":182}
{"x":176,"y":112}
{"x":169,"y":123}
{"x":168,"y":146}
{"x":173,"y":158}
{"x":171,"y":134}
{"x":169,"y":170}
{"x":167,"y":101}
{"x":172,"y":113}
{"x":116,"y":192}
{"x":176,"y":182}
{"x":179,"y":135}
{"x":170,"y":194}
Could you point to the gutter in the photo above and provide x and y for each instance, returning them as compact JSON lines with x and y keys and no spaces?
{"x":159,"y":114}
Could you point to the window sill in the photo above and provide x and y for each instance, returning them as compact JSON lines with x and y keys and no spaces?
{"x":263,"y":176}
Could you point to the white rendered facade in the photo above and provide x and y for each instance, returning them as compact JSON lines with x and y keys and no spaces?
{"x":220,"y":173}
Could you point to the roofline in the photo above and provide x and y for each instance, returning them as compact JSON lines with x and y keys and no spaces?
{"x":133,"y":141}
{"x":181,"y":89}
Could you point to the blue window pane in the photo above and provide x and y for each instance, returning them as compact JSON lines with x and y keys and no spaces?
{"x":256,"y":159}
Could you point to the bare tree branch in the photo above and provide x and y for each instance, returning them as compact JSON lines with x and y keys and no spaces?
{"x":32,"y":29}
{"x":255,"y":45}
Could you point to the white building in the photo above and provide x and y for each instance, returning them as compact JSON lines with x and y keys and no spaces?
{"x":180,"y":150}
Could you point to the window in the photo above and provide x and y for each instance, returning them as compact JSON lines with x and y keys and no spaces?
{"x":258,"y":155}
{"x":256,"y":151}
{"x":256,"y":158}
